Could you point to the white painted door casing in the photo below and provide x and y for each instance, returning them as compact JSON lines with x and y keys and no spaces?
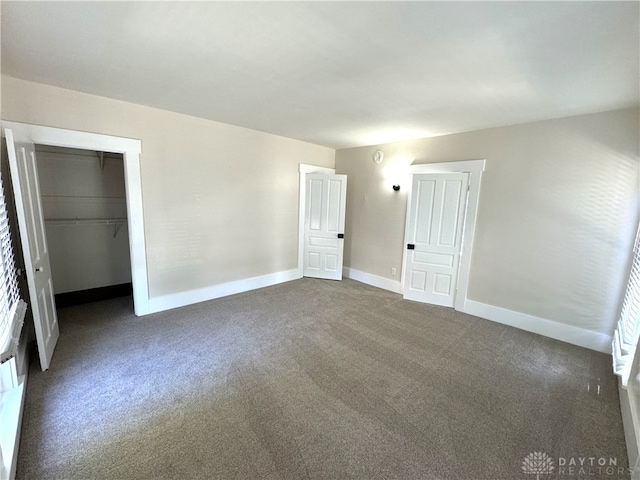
{"x":24,"y":176}
{"x":434,"y":237}
{"x":131,"y":150}
{"x":324,"y":225}
{"x":475,"y":169}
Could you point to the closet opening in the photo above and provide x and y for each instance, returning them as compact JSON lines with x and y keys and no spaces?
{"x":84,"y":207}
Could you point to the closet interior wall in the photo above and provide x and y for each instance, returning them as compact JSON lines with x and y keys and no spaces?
{"x":85,"y":212}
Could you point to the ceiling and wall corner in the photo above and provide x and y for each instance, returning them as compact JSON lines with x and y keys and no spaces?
{"x":307,"y":70}
{"x":220,"y":202}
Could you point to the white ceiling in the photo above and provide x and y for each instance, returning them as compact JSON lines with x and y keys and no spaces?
{"x":332,"y":73}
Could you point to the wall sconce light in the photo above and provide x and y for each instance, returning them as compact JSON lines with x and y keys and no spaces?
{"x":377,"y":156}
{"x":396,"y":188}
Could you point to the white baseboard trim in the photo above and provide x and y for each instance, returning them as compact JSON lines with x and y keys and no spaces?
{"x":548,"y":328}
{"x":566,"y":333}
{"x":175,"y":300}
{"x":542,"y":326}
{"x":373,"y":280}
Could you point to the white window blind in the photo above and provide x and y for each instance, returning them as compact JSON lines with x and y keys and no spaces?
{"x":11,"y":307}
{"x":626,"y":335}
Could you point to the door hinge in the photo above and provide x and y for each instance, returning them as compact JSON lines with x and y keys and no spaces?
{"x":411,"y":246}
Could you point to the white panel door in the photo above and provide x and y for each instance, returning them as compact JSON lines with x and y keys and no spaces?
{"x":434,"y":237}
{"x":24,"y":176}
{"x":324,"y":225}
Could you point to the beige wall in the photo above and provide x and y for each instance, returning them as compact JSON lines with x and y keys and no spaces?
{"x":558,"y":204}
{"x":558,"y":210}
{"x":220,"y":202}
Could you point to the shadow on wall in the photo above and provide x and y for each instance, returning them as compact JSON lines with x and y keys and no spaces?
{"x":588,"y":213}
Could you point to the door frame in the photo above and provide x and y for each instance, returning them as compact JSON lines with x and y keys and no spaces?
{"x":131,"y":150}
{"x":324,"y":233}
{"x":303,"y":169}
{"x":474,"y":168}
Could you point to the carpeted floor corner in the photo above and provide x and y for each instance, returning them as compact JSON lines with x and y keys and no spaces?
{"x":312,"y":379}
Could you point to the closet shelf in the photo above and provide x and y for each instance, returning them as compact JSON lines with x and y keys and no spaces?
{"x":84,"y":221}
{"x":82,"y":198}
{"x":67,"y":222}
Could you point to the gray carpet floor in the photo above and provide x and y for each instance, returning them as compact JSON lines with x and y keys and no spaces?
{"x":312,"y":379}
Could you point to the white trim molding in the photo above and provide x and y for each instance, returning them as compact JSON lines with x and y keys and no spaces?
{"x":373,"y":280}
{"x":175,"y":300}
{"x":11,"y":415}
{"x":629,"y":409}
{"x":12,"y":407}
{"x":581,"y":337}
{"x":131,"y":150}
{"x":474,"y":168}
{"x":303,"y":169}
{"x":449,"y":167}
{"x":560,"y":331}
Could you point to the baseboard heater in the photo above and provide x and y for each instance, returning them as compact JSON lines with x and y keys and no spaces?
{"x":69,"y":299}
